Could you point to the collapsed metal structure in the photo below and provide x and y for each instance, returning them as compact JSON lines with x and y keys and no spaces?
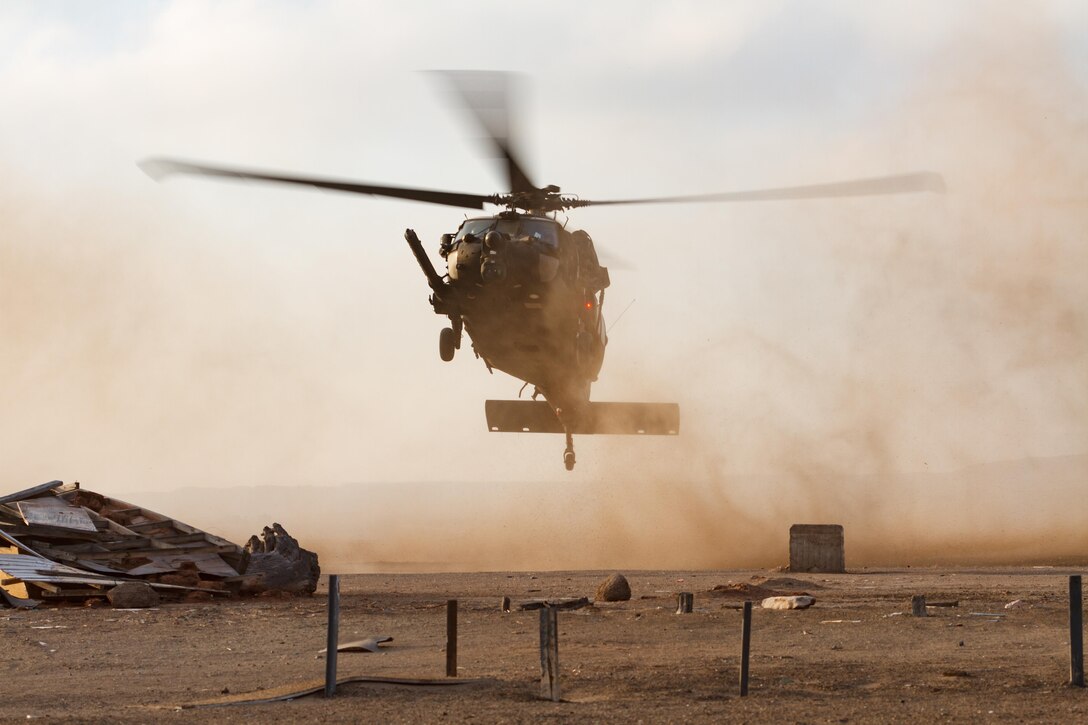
{"x":62,"y":542}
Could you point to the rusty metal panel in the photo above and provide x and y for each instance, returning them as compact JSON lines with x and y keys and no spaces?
{"x":53,"y":511}
{"x":817,"y":548}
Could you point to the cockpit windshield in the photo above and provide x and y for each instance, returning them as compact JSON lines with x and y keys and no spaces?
{"x":542,"y":231}
{"x":475,"y":227}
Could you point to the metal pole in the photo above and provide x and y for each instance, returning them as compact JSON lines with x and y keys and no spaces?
{"x":451,"y":638}
{"x":745,"y":646}
{"x":1076,"y":632}
{"x":332,"y":641}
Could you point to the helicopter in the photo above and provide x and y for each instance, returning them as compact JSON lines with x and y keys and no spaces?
{"x":528,"y":291}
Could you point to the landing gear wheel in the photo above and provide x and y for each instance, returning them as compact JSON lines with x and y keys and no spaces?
{"x":568,"y":455}
{"x":447,"y":343}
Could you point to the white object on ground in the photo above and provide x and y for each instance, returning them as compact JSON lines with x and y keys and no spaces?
{"x":801,"y":601}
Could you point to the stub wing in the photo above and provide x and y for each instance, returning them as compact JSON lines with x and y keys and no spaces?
{"x":536,"y":416}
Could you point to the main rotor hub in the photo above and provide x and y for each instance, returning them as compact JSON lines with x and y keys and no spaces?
{"x":539,"y":201}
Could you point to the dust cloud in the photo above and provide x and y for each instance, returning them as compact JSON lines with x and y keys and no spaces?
{"x":919,"y":377}
{"x":943,"y":415}
{"x":938,"y":410}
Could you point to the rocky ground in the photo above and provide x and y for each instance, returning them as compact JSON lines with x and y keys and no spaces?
{"x":857,"y":655}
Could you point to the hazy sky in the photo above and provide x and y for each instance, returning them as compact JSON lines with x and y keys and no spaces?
{"x":195,"y":332}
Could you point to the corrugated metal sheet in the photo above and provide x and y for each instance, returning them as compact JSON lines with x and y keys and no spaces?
{"x":35,"y":569}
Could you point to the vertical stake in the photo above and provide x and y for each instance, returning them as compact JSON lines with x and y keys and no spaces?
{"x":1076,"y":632}
{"x":918,"y":605}
{"x":332,"y":641}
{"x":451,"y":638}
{"x":685,"y":602}
{"x":549,"y":652}
{"x":745,"y":646}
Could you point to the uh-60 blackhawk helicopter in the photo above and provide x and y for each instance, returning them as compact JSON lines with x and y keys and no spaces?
{"x":529,"y":291}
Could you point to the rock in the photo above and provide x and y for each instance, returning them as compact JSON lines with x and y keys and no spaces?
{"x":133,"y":595}
{"x":278,"y":564}
{"x":614,"y":589}
{"x":802,"y":601}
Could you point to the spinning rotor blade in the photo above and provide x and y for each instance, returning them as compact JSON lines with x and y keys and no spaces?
{"x":899,"y":184}
{"x":484,"y":96}
{"x":159,"y":168}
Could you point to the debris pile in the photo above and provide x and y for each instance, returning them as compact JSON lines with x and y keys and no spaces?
{"x":63,"y":542}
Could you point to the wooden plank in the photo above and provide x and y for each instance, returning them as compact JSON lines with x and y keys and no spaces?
{"x":114,"y":527}
{"x":745,"y":647}
{"x":549,"y":653}
{"x":9,"y":511}
{"x":186,"y":538}
{"x":31,"y":492}
{"x":150,"y":524}
{"x":135,"y":542}
{"x":47,"y":587}
{"x":179,"y":526}
{"x":154,"y":551}
{"x":451,"y":638}
{"x":16,"y":543}
{"x":62,"y":593}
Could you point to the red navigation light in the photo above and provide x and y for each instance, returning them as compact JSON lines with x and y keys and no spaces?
{"x":589,"y":305}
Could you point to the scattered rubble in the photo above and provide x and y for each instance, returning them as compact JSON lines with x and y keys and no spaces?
{"x":614,"y":589}
{"x":62,"y":542}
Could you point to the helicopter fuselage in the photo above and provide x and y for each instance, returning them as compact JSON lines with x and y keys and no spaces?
{"x":529,"y":294}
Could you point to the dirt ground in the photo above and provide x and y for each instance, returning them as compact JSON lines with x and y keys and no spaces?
{"x":857,"y":655}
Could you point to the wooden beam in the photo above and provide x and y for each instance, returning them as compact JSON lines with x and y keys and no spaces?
{"x":31,"y":492}
{"x":745,"y":647}
{"x":451,"y":638}
{"x":549,"y":653}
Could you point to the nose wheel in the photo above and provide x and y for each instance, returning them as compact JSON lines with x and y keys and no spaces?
{"x":568,"y":455}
